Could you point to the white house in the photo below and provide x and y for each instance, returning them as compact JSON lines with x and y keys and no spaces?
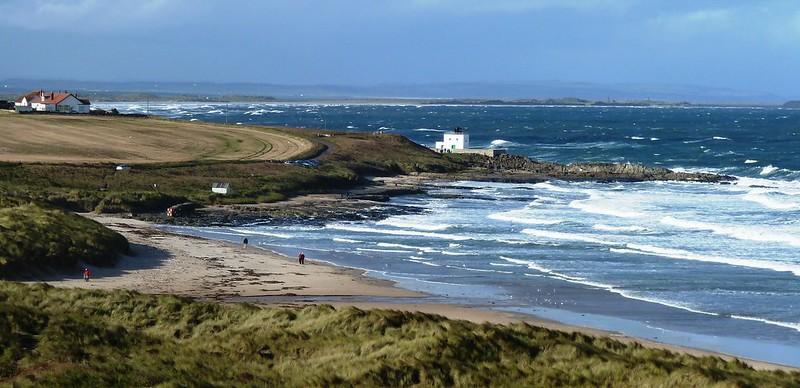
{"x":222,"y":188}
{"x":455,"y":140}
{"x":42,"y":101}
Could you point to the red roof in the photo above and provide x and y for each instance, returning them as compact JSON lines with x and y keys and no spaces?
{"x":42,"y":97}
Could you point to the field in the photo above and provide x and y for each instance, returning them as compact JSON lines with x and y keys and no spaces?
{"x":174,"y":161}
{"x":95,"y":139}
{"x":69,"y":337}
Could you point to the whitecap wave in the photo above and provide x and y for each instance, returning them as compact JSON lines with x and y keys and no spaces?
{"x":770,"y":199}
{"x":680,"y":254}
{"x":346,"y":240}
{"x":413,"y":224}
{"x":613,"y":228}
{"x":790,"y":325}
{"x":598,"y":204}
{"x":750,"y":161}
{"x":750,"y":233}
{"x":519,"y":217}
{"x":397,"y":232}
{"x":403,"y":246}
{"x":720,"y":138}
{"x":428,"y":130}
{"x":551,"y":235}
{"x":768,"y":170}
{"x":259,"y":233}
{"x":551,"y":187}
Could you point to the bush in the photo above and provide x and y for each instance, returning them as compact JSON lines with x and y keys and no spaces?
{"x":33,"y":236}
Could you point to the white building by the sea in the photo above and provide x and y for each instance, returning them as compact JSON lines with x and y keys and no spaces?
{"x":453,"y":140}
{"x":457,"y":142}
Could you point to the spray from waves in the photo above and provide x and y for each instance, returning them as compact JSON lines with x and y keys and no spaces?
{"x":500,"y":143}
{"x":397,"y":232}
{"x":551,"y":235}
{"x":551,"y":187}
{"x":400,"y":222}
{"x":612,"y":228}
{"x":751,"y":233}
{"x":403,"y":246}
{"x":680,"y":254}
{"x":518,"y":217}
{"x":597,"y":204}
{"x":770,"y":199}
{"x":768,"y":170}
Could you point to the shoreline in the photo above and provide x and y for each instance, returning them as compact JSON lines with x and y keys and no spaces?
{"x":169,"y":263}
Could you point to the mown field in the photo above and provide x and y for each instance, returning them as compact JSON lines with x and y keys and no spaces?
{"x":71,"y":337}
{"x":118,"y":139}
{"x":153,"y":186}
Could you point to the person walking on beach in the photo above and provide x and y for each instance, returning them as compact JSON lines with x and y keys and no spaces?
{"x":87,"y":274}
{"x":301,"y":258}
{"x":244,"y":243}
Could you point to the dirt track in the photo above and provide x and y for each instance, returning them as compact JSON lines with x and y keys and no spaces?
{"x":92,"y":139}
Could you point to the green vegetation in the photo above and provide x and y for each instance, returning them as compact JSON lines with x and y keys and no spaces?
{"x":154,"y":187}
{"x":66,"y":337}
{"x":33,"y":237}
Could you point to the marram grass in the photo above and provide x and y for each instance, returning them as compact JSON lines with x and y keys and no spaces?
{"x":69,"y":337}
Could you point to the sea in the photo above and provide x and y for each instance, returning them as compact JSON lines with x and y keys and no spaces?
{"x":711,"y":266}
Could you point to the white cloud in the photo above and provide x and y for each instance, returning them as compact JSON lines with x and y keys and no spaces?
{"x":89,"y":15}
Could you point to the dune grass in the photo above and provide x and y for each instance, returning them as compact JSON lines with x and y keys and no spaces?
{"x":64,"y":337}
{"x":34,"y":237}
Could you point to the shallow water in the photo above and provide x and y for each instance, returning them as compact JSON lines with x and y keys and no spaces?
{"x":706,"y":265}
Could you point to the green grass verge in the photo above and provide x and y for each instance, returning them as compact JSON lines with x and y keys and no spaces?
{"x":34,"y":237}
{"x":69,"y":337}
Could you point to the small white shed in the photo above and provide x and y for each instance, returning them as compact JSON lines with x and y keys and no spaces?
{"x":223,"y":188}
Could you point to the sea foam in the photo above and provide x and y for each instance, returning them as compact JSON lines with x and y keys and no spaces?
{"x":672,"y":253}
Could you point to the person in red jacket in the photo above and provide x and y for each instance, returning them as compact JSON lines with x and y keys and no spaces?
{"x":87,"y":274}
{"x":301,"y":258}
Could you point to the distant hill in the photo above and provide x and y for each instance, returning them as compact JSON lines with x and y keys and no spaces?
{"x":540,"y":90}
{"x":792,"y":104}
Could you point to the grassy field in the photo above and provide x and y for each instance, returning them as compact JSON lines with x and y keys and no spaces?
{"x":95,"y":139}
{"x":69,"y":337}
{"x":154,"y":186}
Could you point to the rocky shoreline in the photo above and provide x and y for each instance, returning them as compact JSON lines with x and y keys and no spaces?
{"x":370,"y":200}
{"x":516,"y":168}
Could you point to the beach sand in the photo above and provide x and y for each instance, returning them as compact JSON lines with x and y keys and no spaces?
{"x":166,"y":263}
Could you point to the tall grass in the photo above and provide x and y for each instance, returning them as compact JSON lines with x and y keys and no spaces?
{"x":33,"y":237}
{"x":62,"y":337}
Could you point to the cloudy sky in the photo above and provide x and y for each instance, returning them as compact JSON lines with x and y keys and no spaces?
{"x":751,"y":45}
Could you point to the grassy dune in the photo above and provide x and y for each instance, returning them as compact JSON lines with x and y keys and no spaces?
{"x":34,"y":237}
{"x":58,"y":337}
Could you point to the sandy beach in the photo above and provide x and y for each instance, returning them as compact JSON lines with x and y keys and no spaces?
{"x":166,"y":263}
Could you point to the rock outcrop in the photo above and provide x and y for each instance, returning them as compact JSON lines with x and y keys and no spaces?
{"x":515,"y":166}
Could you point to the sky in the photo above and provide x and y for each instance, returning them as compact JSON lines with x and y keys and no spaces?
{"x":747,"y":45}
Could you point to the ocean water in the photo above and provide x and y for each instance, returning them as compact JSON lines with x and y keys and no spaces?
{"x":705,"y":265}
